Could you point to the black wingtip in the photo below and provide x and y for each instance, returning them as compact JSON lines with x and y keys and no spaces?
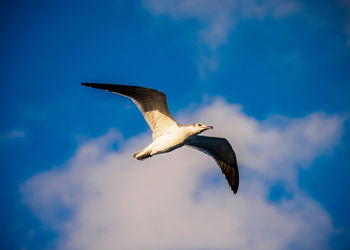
{"x":234,"y":188}
{"x":88,"y":84}
{"x":98,"y":85}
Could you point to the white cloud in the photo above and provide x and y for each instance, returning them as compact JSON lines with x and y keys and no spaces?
{"x":173,"y":201}
{"x":217,"y":19}
{"x":12,"y":134}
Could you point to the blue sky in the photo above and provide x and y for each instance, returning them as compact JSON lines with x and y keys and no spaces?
{"x":274,"y":58}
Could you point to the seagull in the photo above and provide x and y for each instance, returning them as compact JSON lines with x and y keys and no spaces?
{"x":169,"y":135}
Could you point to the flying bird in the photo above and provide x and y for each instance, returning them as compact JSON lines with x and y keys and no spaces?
{"x":169,"y":135}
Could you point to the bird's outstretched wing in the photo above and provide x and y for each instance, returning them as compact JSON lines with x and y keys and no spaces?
{"x":151,"y":102}
{"x":221,"y":150}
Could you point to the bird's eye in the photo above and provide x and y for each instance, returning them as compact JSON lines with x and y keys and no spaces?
{"x":200,"y":124}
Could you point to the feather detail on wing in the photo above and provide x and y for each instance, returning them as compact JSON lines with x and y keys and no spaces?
{"x":152,"y":103}
{"x":221,"y":150}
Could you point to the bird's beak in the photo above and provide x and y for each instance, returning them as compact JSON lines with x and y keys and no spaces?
{"x":209,"y":127}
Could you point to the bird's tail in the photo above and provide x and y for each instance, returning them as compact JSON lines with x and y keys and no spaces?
{"x":141,"y":155}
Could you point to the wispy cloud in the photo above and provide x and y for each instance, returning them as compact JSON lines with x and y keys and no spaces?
{"x":12,"y":135}
{"x":180,"y":200}
{"x":217,"y":19}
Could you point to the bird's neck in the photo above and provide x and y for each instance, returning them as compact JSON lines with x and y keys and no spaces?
{"x":190,"y":130}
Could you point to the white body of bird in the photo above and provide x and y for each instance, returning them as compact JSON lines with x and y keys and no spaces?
{"x":175,"y":137}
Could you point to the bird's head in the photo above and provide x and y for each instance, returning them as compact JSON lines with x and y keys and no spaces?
{"x":199,"y":127}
